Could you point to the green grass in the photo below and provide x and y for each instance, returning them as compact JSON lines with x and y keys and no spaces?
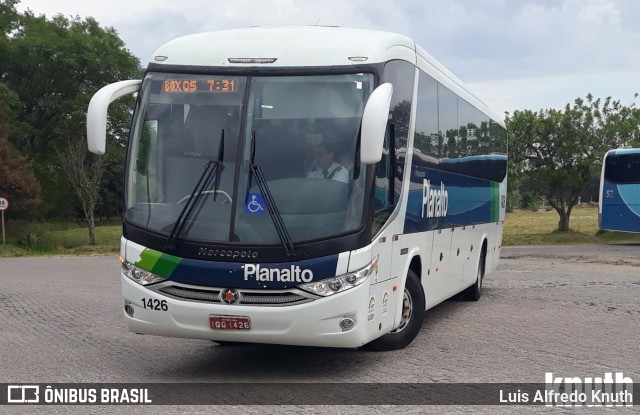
{"x":59,"y":238}
{"x":540,"y":228}
{"x":521,"y":228}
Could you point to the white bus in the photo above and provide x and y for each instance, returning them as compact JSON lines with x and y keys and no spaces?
{"x":303,"y":186}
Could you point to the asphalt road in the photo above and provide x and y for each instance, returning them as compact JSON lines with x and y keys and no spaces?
{"x":573,"y":311}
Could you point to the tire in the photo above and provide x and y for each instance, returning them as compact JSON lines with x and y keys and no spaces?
{"x":227,"y":344}
{"x":413,"y":308}
{"x":474,"y":292}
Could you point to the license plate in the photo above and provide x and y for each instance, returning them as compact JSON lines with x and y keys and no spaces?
{"x":229,"y":323}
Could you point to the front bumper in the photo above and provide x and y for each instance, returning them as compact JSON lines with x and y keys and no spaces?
{"x":315,"y":323}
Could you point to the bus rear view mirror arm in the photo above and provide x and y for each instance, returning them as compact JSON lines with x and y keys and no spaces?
{"x":374,"y":124}
{"x":97,"y":112}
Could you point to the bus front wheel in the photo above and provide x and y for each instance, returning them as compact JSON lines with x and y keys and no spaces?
{"x":413,"y":308}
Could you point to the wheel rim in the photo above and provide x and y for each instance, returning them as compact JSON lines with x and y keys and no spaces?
{"x":407,"y":311}
{"x":480,"y":276}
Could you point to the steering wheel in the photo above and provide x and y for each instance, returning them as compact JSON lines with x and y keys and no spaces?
{"x":226,"y":200}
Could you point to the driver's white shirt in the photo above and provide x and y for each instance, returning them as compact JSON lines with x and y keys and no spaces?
{"x":335,"y":171}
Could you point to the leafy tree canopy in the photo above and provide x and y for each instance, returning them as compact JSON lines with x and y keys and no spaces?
{"x":17,"y":181}
{"x":559,"y":151}
{"x":55,"y":66}
{"x":50,"y":69}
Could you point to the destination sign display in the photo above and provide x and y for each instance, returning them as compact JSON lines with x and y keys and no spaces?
{"x":199,"y":85}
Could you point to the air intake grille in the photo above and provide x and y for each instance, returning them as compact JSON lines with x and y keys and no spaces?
{"x":266,"y":298}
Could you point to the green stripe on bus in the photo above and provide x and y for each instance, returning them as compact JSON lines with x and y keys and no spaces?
{"x":495,"y":201}
{"x":157,"y":262}
{"x":148,"y":259}
{"x":165,"y":265}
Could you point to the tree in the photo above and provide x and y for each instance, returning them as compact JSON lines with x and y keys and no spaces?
{"x":17,"y":181}
{"x":84,"y":175}
{"x":557,"y":152}
{"x":8,"y":19}
{"x":55,"y":66}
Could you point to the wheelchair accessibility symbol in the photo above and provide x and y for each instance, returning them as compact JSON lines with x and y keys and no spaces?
{"x":255,"y":204}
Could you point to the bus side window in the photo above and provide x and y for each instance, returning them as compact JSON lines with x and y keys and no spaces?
{"x":390,"y":171}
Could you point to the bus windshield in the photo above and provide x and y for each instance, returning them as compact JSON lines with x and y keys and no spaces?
{"x":623,"y":168}
{"x":299,"y":132}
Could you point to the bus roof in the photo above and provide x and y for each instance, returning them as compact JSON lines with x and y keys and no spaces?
{"x":621,"y":151}
{"x":291,"y":45}
{"x":305,"y":46}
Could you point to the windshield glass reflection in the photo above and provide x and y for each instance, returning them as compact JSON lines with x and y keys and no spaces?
{"x":306,"y":133}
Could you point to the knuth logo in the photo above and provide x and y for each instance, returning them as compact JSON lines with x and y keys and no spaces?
{"x":590,"y":391}
{"x":435,"y":202}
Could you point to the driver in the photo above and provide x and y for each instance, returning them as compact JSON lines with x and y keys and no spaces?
{"x":325,"y":165}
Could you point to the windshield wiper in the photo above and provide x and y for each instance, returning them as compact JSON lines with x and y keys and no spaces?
{"x":211,"y":168}
{"x":281,"y":229}
{"x":216,"y":183}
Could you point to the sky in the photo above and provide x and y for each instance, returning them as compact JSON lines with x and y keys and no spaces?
{"x":513,"y":54}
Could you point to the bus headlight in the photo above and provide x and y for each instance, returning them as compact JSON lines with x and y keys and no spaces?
{"x":330,"y":286}
{"x":137,"y":274}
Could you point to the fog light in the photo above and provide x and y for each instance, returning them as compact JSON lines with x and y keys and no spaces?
{"x":128,"y":309}
{"x":347,"y":324}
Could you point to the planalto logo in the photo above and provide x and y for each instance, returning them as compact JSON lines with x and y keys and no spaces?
{"x":292,"y":274}
{"x":435,"y":202}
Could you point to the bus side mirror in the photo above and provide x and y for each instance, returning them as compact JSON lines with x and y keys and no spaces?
{"x":97,"y":112}
{"x":374,"y":124}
